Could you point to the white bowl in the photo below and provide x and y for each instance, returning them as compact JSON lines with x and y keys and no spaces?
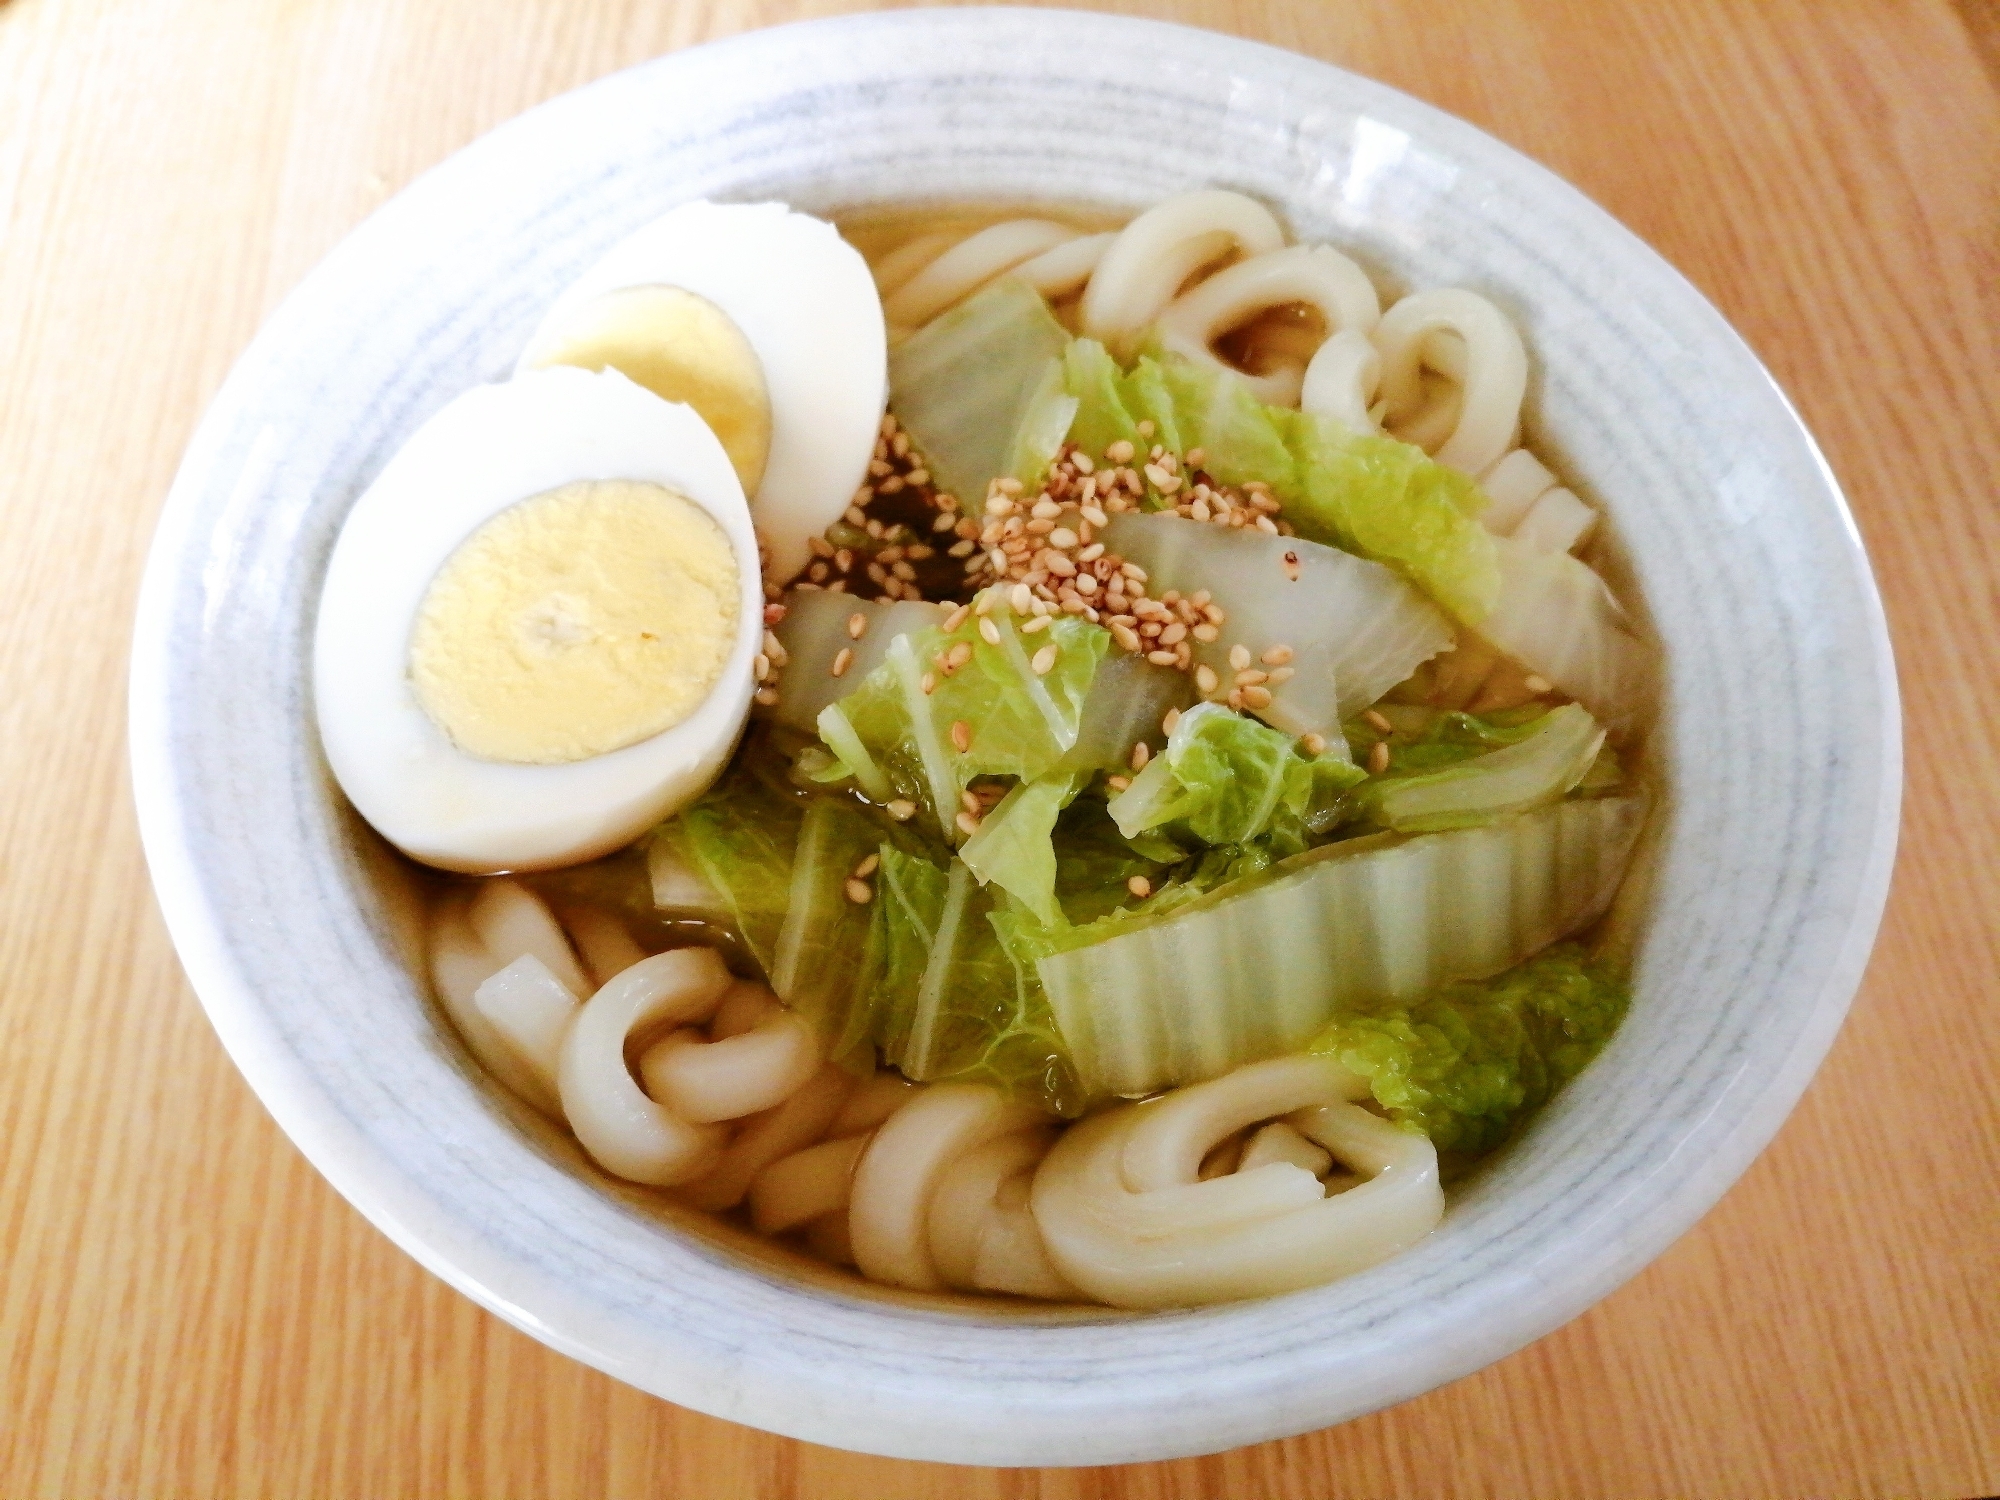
{"x":1780,"y":729}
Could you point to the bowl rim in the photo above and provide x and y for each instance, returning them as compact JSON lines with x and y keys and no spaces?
{"x":806,"y":1407}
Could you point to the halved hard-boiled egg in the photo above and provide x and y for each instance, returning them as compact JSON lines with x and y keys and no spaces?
{"x":539,"y":623}
{"x":763,"y":320}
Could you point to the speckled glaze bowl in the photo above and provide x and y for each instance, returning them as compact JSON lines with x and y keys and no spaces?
{"x":1779,"y":733}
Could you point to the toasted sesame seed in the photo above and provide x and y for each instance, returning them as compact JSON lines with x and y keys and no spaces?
{"x":1022,"y":598}
{"x":1235,"y":699}
{"x":1276,"y":656}
{"x":956,"y":618}
{"x":1378,"y":758}
{"x":987,"y":600}
{"x":1173,"y":634}
{"x":1146,"y":429}
{"x":958,"y":655}
{"x":1119,"y":452}
{"x":867,"y":867}
{"x":860,"y":892}
{"x":1091,"y":553}
{"x":857,"y":625}
{"x":767,"y":696}
{"x":1206,"y":632}
{"x":774,"y":614}
{"x":1239,"y":656}
{"x":1378,"y":722}
{"x":1315,"y":744}
{"x":943,"y":521}
{"x":1095,"y":516}
{"x":1035,"y":623}
{"x":1160,"y":658}
{"x":1196,"y":457}
{"x":1085,"y":584}
{"x":1139,"y":886}
{"x":1534,"y":682}
{"x":1062,"y":537}
{"x":1118,"y":783}
{"x":989,"y":632}
{"x":902,"y":809}
{"x":843,"y":661}
{"x":920,"y":476}
{"x":1141,"y":753}
{"x":1205,"y":679}
{"x":967,"y":824}
{"x":961,"y":735}
{"x":1126,"y":637}
{"x":1264,"y":524}
{"x":1256,"y":697}
{"x":969,"y":800}
{"x":853,"y":516}
{"x":961,"y":549}
{"x":1045,"y":660}
{"x":1251,"y":676}
{"x":819,"y":546}
{"x":1282,"y":674}
{"x":1169,"y":720}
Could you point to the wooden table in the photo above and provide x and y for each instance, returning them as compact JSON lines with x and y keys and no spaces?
{"x":187,"y":1309}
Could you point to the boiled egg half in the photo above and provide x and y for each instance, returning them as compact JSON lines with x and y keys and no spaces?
{"x":539,"y":623}
{"x":767,"y":323}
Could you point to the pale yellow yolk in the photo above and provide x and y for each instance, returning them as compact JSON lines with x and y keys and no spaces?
{"x":680,"y":347}
{"x":575,"y":623}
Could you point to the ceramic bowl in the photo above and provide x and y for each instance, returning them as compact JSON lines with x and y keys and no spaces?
{"x":1779,"y":731}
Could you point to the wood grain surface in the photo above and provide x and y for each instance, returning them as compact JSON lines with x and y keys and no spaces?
{"x":186,"y":1309}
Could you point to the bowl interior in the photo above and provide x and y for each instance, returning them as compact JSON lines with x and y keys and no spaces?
{"x":1778,"y":727}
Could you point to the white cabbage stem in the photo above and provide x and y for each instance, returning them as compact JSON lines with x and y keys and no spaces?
{"x":1317,"y":275}
{"x":1158,"y":251}
{"x":899,"y":1174}
{"x":1557,"y":522}
{"x":624,"y":1131}
{"x":1341,"y":381}
{"x":1464,"y":338}
{"x":971,"y":264}
{"x":1125,"y":1216}
{"x":511,"y":920}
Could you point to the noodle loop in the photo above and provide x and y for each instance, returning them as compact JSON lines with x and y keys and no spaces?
{"x":1126,"y":1217}
{"x":1318,"y":276}
{"x":1158,"y":251}
{"x":1477,"y":351}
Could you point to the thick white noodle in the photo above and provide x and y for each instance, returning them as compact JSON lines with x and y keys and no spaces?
{"x":1156,"y":253}
{"x":1126,"y":1218}
{"x":531,"y":1010}
{"x":1317,"y":275}
{"x":459,"y":964}
{"x":872,"y":1102}
{"x":983,"y":1235}
{"x":969,"y":265}
{"x":801,"y":1120}
{"x":893,"y":272}
{"x":899,"y":1173}
{"x":511,"y":920}
{"x":1513,"y":483}
{"x":702,"y":1080}
{"x":1279,"y":1141}
{"x":606,"y":947}
{"x":1342,"y":379}
{"x":1058,"y":272}
{"x":1557,"y":522}
{"x":1487,"y":368}
{"x":805,"y":1185}
{"x":625,"y":1132}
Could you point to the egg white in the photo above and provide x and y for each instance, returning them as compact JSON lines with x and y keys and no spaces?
{"x":804,"y":299}
{"x":487,"y":450}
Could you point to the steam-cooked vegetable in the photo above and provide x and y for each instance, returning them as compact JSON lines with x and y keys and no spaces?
{"x":817,"y":627}
{"x":1559,"y":749}
{"x":963,"y":383}
{"x":1353,"y":628}
{"x":1465,"y":1064}
{"x":1255,"y":968}
{"x":1556,"y":617}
